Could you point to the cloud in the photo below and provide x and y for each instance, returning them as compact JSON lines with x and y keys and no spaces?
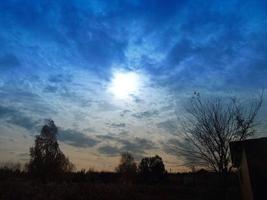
{"x":117,"y":125}
{"x":106,"y":106}
{"x":6,"y":111}
{"x":22,"y":100}
{"x":51,"y":89}
{"x":23,"y":121}
{"x":198,"y":56}
{"x":76,"y":138}
{"x":109,"y":150}
{"x":124,"y":112}
{"x":137,"y":99}
{"x":17,"y":118}
{"x":146,"y":114}
{"x":94,"y":39}
{"x":137,"y":146}
{"x":170,"y":146}
{"x":60,"y":78}
{"x":169,"y":125}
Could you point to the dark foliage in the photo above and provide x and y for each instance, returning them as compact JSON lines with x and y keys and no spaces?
{"x":127,"y":167}
{"x":47,"y":161}
{"x":103,"y":185}
{"x":152,"y":169}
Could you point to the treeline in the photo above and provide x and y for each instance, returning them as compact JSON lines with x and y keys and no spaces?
{"x":80,"y":185}
{"x":150,"y":169}
{"x":48,"y":163}
{"x":16,"y":172}
{"x":209,"y":127}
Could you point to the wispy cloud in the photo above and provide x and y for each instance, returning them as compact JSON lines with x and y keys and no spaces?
{"x":76,"y":138}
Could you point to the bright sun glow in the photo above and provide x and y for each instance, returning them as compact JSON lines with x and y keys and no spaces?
{"x":124,"y":84}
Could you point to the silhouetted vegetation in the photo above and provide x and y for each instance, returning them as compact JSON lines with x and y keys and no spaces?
{"x":89,"y":184}
{"x":152,"y":169}
{"x":149,"y":170}
{"x":210,"y":125}
{"x":127,"y":167}
{"x":47,"y":161}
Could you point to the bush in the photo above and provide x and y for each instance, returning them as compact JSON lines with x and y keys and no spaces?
{"x":152,"y":169}
{"x":127,"y":167}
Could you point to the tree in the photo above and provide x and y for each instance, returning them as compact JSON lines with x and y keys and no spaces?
{"x":152,"y":168}
{"x":47,"y":160}
{"x":211,"y":124}
{"x":127,"y":167}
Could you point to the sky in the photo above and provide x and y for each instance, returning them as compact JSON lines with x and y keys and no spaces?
{"x":115,"y":74}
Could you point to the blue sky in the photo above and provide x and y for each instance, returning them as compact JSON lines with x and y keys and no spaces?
{"x":59,"y":59}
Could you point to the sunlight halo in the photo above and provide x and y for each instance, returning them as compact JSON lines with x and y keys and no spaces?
{"x":124,"y":84}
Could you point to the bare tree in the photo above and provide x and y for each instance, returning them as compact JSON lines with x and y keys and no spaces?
{"x":209,"y":126}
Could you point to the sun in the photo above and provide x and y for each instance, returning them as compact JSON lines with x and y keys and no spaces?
{"x":124,"y":84}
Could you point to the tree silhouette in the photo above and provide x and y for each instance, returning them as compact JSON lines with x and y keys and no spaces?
{"x":47,"y":160}
{"x":210,"y":125}
{"x":127,"y":167}
{"x":152,"y":168}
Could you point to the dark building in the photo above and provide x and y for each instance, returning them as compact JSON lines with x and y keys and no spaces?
{"x":250,"y":158}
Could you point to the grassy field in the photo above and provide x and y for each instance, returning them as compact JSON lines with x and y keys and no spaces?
{"x":108,"y":186}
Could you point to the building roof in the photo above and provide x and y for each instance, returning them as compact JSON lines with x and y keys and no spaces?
{"x":255,"y":149}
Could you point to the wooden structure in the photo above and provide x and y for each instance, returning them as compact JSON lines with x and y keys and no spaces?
{"x":250,"y":158}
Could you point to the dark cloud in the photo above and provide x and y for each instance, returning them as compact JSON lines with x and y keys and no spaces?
{"x":123,"y":132}
{"x":137,"y":99}
{"x":23,"y":121}
{"x":25,"y":100}
{"x":181,"y":50}
{"x":169,"y":125}
{"x":170,"y":146}
{"x":60,"y":78}
{"x":109,"y":150}
{"x":15,"y":94}
{"x":117,"y":125}
{"x":17,"y":118}
{"x":4,"y":111}
{"x":106,"y":137}
{"x":76,"y":138}
{"x":124,"y":112}
{"x":146,"y":114}
{"x":51,"y":89}
{"x":136,"y":145}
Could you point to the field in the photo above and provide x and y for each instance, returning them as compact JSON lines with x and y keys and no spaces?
{"x":106,"y":186}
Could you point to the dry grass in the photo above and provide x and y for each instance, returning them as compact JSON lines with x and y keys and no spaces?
{"x":178,"y":187}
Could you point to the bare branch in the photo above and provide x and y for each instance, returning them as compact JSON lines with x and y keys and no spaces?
{"x":211,"y":124}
